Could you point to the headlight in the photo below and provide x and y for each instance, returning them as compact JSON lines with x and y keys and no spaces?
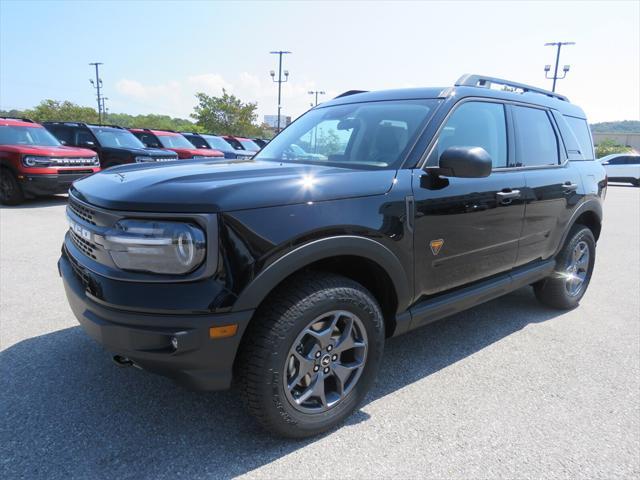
{"x":144,"y":159}
{"x":95,"y":161}
{"x":156,"y":246}
{"x":33,"y":161}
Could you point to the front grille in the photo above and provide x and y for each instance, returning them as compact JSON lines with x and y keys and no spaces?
{"x":73,"y":162}
{"x":84,"y":213}
{"x":88,"y":248}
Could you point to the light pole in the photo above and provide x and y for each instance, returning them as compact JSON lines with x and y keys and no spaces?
{"x":316,"y":93}
{"x":547,"y":68}
{"x":280,"y":81}
{"x":97,"y":84}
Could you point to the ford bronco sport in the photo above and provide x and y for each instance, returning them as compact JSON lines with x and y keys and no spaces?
{"x":175,"y":142}
{"x":113,"y":144}
{"x":33,"y":163}
{"x":285,"y":275}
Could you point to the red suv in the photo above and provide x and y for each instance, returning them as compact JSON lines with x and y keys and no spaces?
{"x":173,"y":141}
{"x":34,"y":163}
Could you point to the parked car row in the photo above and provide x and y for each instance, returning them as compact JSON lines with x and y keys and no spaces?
{"x":37,"y":160}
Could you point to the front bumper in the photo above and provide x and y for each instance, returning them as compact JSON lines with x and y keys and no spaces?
{"x":49,"y":184}
{"x":198,"y":362}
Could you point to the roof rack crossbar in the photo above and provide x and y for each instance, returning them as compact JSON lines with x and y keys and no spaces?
{"x":350,"y":92}
{"x":474,"y":80}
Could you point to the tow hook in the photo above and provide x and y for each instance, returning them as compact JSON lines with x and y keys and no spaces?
{"x":122,"y":362}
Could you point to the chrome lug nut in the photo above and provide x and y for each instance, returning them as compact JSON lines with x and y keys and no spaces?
{"x":329,"y":348}
{"x":334,"y":358}
{"x":316,"y":368}
{"x":326,"y":370}
{"x":318,"y":354}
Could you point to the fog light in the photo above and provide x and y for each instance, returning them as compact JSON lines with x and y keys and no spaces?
{"x":174,"y":342}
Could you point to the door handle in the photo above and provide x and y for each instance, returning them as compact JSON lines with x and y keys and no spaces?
{"x":569,"y":187}
{"x":507,"y":195}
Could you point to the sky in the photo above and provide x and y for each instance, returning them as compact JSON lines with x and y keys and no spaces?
{"x":158,"y":54}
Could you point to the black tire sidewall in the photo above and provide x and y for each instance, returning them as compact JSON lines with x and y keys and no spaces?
{"x":552,"y":291}
{"x":305,"y":424}
{"x":18,"y":196}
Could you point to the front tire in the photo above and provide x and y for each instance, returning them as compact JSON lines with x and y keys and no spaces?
{"x":311,"y":354}
{"x":10,"y":191}
{"x":564,"y":288}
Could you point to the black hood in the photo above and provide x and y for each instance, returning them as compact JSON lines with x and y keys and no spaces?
{"x":225,"y":185}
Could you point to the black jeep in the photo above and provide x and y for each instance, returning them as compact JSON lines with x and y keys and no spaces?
{"x":285,"y":273}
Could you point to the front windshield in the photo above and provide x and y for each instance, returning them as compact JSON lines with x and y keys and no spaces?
{"x":14,"y":135}
{"x":116,"y":138}
{"x":360,"y":135}
{"x":175,"y":141}
{"x":217,"y":142}
{"x":249,"y":144}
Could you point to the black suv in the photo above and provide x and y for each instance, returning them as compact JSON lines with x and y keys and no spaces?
{"x":285,"y":274}
{"x":114,"y":145}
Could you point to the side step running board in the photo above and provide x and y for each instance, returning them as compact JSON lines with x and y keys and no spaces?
{"x":447,"y":304}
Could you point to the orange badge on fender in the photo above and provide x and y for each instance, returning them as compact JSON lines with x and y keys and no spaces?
{"x":436,"y":245}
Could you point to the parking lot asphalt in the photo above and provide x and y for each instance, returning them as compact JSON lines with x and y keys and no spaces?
{"x":509,"y":389}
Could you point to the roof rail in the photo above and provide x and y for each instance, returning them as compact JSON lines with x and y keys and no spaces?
{"x":78,"y":124}
{"x":22,"y":119}
{"x":350,"y":92}
{"x":474,"y":80}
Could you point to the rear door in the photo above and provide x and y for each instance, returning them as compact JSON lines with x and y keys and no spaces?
{"x":553,"y":183}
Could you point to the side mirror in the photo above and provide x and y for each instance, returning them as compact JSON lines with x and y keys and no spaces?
{"x":465,"y":162}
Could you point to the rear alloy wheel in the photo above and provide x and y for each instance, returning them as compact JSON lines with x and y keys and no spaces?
{"x":310,"y":354}
{"x":10,"y":190}
{"x":565,"y":287}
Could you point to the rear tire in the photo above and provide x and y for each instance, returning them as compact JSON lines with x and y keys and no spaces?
{"x":564,"y":288}
{"x":10,"y":190}
{"x":311,"y":354}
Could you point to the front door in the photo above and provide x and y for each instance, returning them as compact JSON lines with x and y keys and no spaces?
{"x":466,"y":229}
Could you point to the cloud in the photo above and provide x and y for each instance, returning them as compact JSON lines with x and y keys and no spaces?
{"x":209,"y":83}
{"x":177,"y":97}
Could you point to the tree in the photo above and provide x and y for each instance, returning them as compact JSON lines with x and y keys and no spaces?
{"x":608,"y":147}
{"x":226,"y":115}
{"x":155,"y":122}
{"x":65,"y":111}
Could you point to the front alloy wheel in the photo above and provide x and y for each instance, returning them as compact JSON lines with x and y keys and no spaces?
{"x":325,"y":361}
{"x":310,"y":354}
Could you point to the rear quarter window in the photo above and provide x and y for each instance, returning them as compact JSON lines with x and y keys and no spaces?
{"x":580,"y":131}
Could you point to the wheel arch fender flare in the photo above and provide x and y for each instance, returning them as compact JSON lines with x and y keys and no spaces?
{"x":593,"y":206}
{"x":256,"y":291}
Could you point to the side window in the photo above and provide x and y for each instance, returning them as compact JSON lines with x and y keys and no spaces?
{"x":475,"y":124}
{"x":536,"y":142}
{"x":148,"y":140}
{"x":84,"y":137}
{"x":63,"y":134}
{"x":633,"y":160}
{"x":198,"y":141}
{"x":580,"y":130}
